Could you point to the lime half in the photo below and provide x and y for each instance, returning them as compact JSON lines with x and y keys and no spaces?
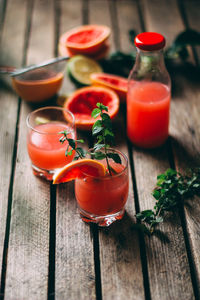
{"x":81,"y":67}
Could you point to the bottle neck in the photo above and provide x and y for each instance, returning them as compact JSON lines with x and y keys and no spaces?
{"x":150,"y":66}
{"x":155,"y":58}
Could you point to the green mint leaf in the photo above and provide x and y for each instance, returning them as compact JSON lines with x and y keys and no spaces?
{"x":156,"y":194}
{"x":97,"y":147}
{"x":99,"y":155}
{"x":107,"y":124}
{"x":80,"y":141}
{"x":96,"y":112}
{"x":161,"y":177}
{"x":96,"y":130}
{"x":100,"y":138}
{"x":102,"y":107}
{"x":62,"y":140}
{"x":109,"y":133}
{"x":115,"y":157}
{"x":64,"y":132}
{"x":81,"y":151}
{"x":69,"y":153}
{"x":170,"y":172}
{"x":159,"y":220}
{"x":97,"y":127}
{"x":72,"y":143}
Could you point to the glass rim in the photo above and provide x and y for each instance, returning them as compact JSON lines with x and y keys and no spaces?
{"x":72,"y":126}
{"x":114,"y":175}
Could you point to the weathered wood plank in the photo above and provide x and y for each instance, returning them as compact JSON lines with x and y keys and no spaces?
{"x":75,"y":274}
{"x":120,"y":264}
{"x":186,"y":137}
{"x":27,"y":270}
{"x":8,"y":111}
{"x":168,"y":266}
{"x":99,"y":14}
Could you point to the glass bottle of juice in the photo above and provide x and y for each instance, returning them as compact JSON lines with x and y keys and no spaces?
{"x":149,"y":93}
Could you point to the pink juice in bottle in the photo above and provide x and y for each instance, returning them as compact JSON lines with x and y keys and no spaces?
{"x":149,"y":93}
{"x":148,"y":113}
{"x":45,"y":149}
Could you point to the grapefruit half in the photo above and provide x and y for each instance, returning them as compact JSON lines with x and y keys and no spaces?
{"x":82,"y":102}
{"x":86,"y":39}
{"x":116,"y":83}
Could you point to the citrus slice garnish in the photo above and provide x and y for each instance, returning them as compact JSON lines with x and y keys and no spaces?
{"x":79,"y":169}
{"x":81,"y":67}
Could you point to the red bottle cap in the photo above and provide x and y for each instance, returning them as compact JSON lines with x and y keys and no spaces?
{"x":150,"y":41}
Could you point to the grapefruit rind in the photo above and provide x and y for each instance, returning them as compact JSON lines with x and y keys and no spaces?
{"x":86,"y":45}
{"x":79,"y":169}
{"x":82,"y":102}
{"x":117,"y":83}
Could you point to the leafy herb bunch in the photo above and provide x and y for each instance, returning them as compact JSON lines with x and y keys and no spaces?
{"x":171,"y":191}
{"x":102,"y":130}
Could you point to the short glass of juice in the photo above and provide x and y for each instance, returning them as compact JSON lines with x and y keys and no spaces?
{"x":102,"y":200}
{"x":46,"y":152}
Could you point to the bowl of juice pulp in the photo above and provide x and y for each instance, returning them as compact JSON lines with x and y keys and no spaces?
{"x":46,"y":152}
{"x":102,"y":200}
{"x":40,"y":84}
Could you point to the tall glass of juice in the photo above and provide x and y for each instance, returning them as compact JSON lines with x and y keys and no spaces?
{"x":149,"y":93}
{"x":102,"y":200}
{"x":46,"y":152}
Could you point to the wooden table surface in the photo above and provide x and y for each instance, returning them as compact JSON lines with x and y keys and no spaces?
{"x":46,"y":251}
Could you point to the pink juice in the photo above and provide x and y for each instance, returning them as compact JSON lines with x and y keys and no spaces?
{"x":148,"y":107}
{"x":44,"y":148}
{"x":103,"y":196}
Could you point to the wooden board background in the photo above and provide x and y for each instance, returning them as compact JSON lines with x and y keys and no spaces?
{"x":46,"y":251}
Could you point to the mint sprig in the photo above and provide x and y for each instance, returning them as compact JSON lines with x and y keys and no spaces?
{"x":172,"y":189}
{"x":102,"y":130}
{"x":80,"y":152}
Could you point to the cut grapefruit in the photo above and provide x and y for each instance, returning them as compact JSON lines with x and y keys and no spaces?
{"x":81,"y":67}
{"x":82,"y":102}
{"x":79,"y":169}
{"x":116,"y":83}
{"x":102,"y":53}
{"x":86,"y":39}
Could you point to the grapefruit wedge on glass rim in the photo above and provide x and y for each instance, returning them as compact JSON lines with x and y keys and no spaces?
{"x":116,"y":83}
{"x":79,"y":169}
{"x":82,"y":102}
{"x":85,"y":39}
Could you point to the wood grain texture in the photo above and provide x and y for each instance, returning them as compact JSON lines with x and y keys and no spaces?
{"x":121,"y":270}
{"x":8,"y":109}
{"x":168,"y":266}
{"x":75,"y":274}
{"x":99,"y":13}
{"x":186,"y":132}
{"x":27,"y":269}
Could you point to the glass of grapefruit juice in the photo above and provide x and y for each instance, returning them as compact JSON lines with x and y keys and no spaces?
{"x":102,"y":200}
{"x":46,"y":152}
